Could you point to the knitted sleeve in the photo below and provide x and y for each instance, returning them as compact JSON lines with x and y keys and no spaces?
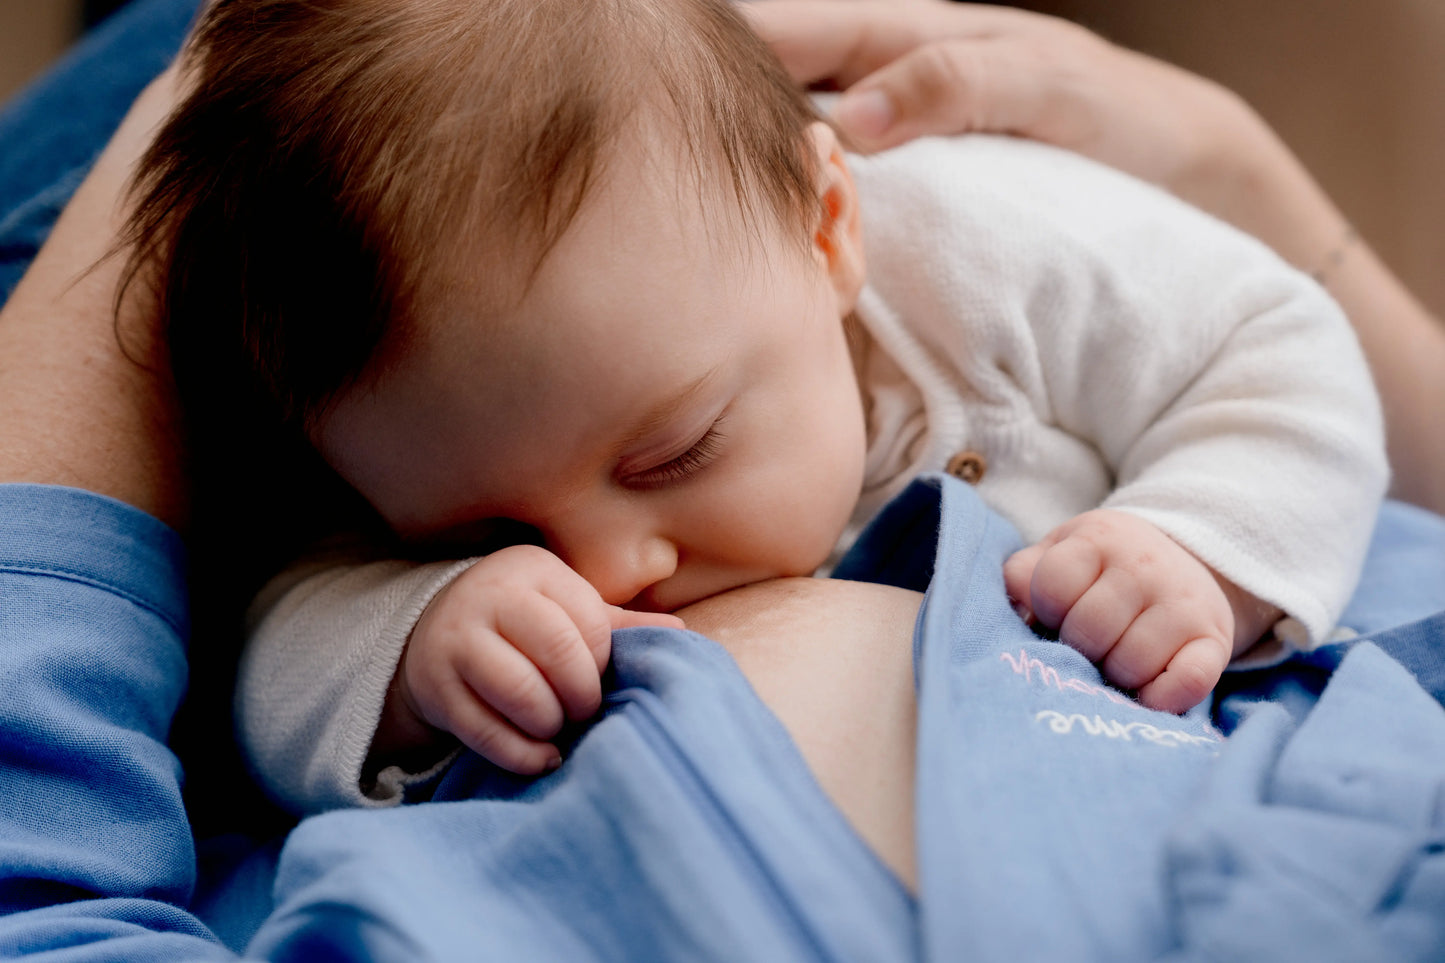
{"x":324,"y":641}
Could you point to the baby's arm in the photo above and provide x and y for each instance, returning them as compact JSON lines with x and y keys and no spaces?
{"x":319,"y":702}
{"x":324,"y":640}
{"x":1111,"y":338}
{"x":1130,"y":598}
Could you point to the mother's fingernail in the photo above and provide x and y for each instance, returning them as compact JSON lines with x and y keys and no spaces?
{"x":867,"y":113}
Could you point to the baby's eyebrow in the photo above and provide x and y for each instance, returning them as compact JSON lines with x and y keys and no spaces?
{"x":659,"y":414}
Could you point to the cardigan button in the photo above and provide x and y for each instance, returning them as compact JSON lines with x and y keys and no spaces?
{"x":968,"y":466}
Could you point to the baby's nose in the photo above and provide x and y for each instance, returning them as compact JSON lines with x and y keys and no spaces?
{"x":623,"y":569}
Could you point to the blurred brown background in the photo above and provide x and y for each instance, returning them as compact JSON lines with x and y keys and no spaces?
{"x":35,"y":32}
{"x":32,"y":32}
{"x":1357,"y":87}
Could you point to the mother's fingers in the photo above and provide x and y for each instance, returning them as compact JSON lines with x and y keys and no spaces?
{"x":836,"y":43}
{"x":911,"y":68}
{"x":946,"y":87}
{"x":927,"y":67}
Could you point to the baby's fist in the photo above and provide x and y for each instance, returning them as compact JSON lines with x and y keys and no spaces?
{"x":509,"y":652}
{"x":1131,"y":599}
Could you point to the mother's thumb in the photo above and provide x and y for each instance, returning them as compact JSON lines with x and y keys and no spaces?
{"x":945,"y":87}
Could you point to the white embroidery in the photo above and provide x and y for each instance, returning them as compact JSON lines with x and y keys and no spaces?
{"x":1113,"y":729}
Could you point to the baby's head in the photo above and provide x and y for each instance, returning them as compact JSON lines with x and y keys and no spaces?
{"x":584,"y":266}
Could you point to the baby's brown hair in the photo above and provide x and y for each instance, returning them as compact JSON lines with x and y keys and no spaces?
{"x":340,"y":161}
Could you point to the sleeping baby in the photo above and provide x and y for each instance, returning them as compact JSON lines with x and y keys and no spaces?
{"x":595,"y":308}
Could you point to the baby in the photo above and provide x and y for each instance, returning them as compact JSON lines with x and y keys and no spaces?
{"x":595,"y":273}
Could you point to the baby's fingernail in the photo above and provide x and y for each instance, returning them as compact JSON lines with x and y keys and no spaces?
{"x":867,"y":113}
{"x":1021,"y":610}
{"x":555,"y":762}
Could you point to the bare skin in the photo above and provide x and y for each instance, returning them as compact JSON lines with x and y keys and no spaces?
{"x":834,"y":661}
{"x":80,"y":409}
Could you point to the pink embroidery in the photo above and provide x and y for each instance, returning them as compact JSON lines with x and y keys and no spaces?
{"x":1025,"y":665}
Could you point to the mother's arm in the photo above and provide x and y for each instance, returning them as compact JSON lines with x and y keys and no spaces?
{"x":930,"y":67}
{"x":93,"y":614}
{"x":834,"y":661}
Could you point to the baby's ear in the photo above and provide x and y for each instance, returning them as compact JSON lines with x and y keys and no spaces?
{"x":838,"y":238}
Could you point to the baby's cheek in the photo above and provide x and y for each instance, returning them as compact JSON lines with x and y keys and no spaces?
{"x":813,"y":538}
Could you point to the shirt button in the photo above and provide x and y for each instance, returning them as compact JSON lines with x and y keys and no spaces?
{"x":968,"y":466}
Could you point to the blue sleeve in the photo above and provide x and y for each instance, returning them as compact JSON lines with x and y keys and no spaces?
{"x":96,"y":859}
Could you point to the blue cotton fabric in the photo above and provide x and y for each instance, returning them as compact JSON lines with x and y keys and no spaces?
{"x":683,"y":826}
{"x":96,"y":860}
{"x":1056,"y":822}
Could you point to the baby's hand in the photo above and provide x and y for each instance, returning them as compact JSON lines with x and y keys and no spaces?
{"x":503,"y":656}
{"x":1133,"y":600}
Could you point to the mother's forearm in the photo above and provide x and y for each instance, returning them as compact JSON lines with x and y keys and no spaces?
{"x":84,"y":380}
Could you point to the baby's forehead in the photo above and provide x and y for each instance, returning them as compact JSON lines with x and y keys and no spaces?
{"x":642,"y":279}
{"x":523,"y":195}
{"x":648,"y":203}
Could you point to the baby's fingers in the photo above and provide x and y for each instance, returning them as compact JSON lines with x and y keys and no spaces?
{"x":511,"y":686}
{"x":1018,"y":575}
{"x":628,"y":619}
{"x":1064,"y":571}
{"x":482,"y":730}
{"x":1189,"y":676}
{"x":559,"y":646}
{"x":1100,"y":620}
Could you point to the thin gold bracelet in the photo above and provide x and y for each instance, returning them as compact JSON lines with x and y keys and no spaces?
{"x":1336,"y":255}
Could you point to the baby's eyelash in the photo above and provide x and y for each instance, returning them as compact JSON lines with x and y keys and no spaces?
{"x":685,"y":465}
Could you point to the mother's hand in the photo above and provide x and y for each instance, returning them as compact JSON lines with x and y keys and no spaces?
{"x":932,"y":67}
{"x":916,"y":67}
